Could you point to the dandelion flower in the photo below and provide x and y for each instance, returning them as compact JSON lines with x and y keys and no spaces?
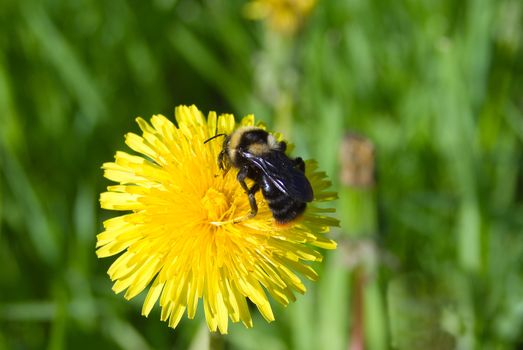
{"x":171,"y":240}
{"x":283,"y":16}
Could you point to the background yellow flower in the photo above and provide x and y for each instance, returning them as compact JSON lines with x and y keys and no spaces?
{"x":284,"y":16}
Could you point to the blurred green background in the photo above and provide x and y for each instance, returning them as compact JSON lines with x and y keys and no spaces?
{"x":432,"y":255}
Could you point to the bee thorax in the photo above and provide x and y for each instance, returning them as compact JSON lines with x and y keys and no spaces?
{"x":258,"y":149}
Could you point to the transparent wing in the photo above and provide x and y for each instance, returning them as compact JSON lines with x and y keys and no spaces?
{"x":284,"y":174}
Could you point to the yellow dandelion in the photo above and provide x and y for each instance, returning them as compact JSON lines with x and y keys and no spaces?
{"x":178,"y":235}
{"x":284,"y":16}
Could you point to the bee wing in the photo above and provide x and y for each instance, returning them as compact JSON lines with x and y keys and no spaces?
{"x":283,"y":173}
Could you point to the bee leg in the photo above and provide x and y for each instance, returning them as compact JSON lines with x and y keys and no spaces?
{"x":252,"y":200}
{"x":300,"y":164}
{"x":242,"y":174}
{"x":283,"y":146}
{"x":223,"y":165}
{"x":221,"y":160}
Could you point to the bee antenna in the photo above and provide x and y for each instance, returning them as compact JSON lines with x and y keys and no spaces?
{"x":213,"y":137}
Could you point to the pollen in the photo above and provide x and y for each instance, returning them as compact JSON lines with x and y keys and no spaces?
{"x":216,"y":204}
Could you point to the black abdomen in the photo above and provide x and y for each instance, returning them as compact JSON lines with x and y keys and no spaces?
{"x":283,"y":207}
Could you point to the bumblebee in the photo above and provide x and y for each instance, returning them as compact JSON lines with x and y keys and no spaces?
{"x":260,"y":157}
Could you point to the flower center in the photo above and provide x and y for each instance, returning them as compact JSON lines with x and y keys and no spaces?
{"x":215,"y":203}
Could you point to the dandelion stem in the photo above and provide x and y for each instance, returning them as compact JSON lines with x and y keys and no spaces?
{"x":216,"y":341}
{"x":359,"y":209}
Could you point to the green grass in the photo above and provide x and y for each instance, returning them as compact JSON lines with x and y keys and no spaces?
{"x":437,"y":86}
